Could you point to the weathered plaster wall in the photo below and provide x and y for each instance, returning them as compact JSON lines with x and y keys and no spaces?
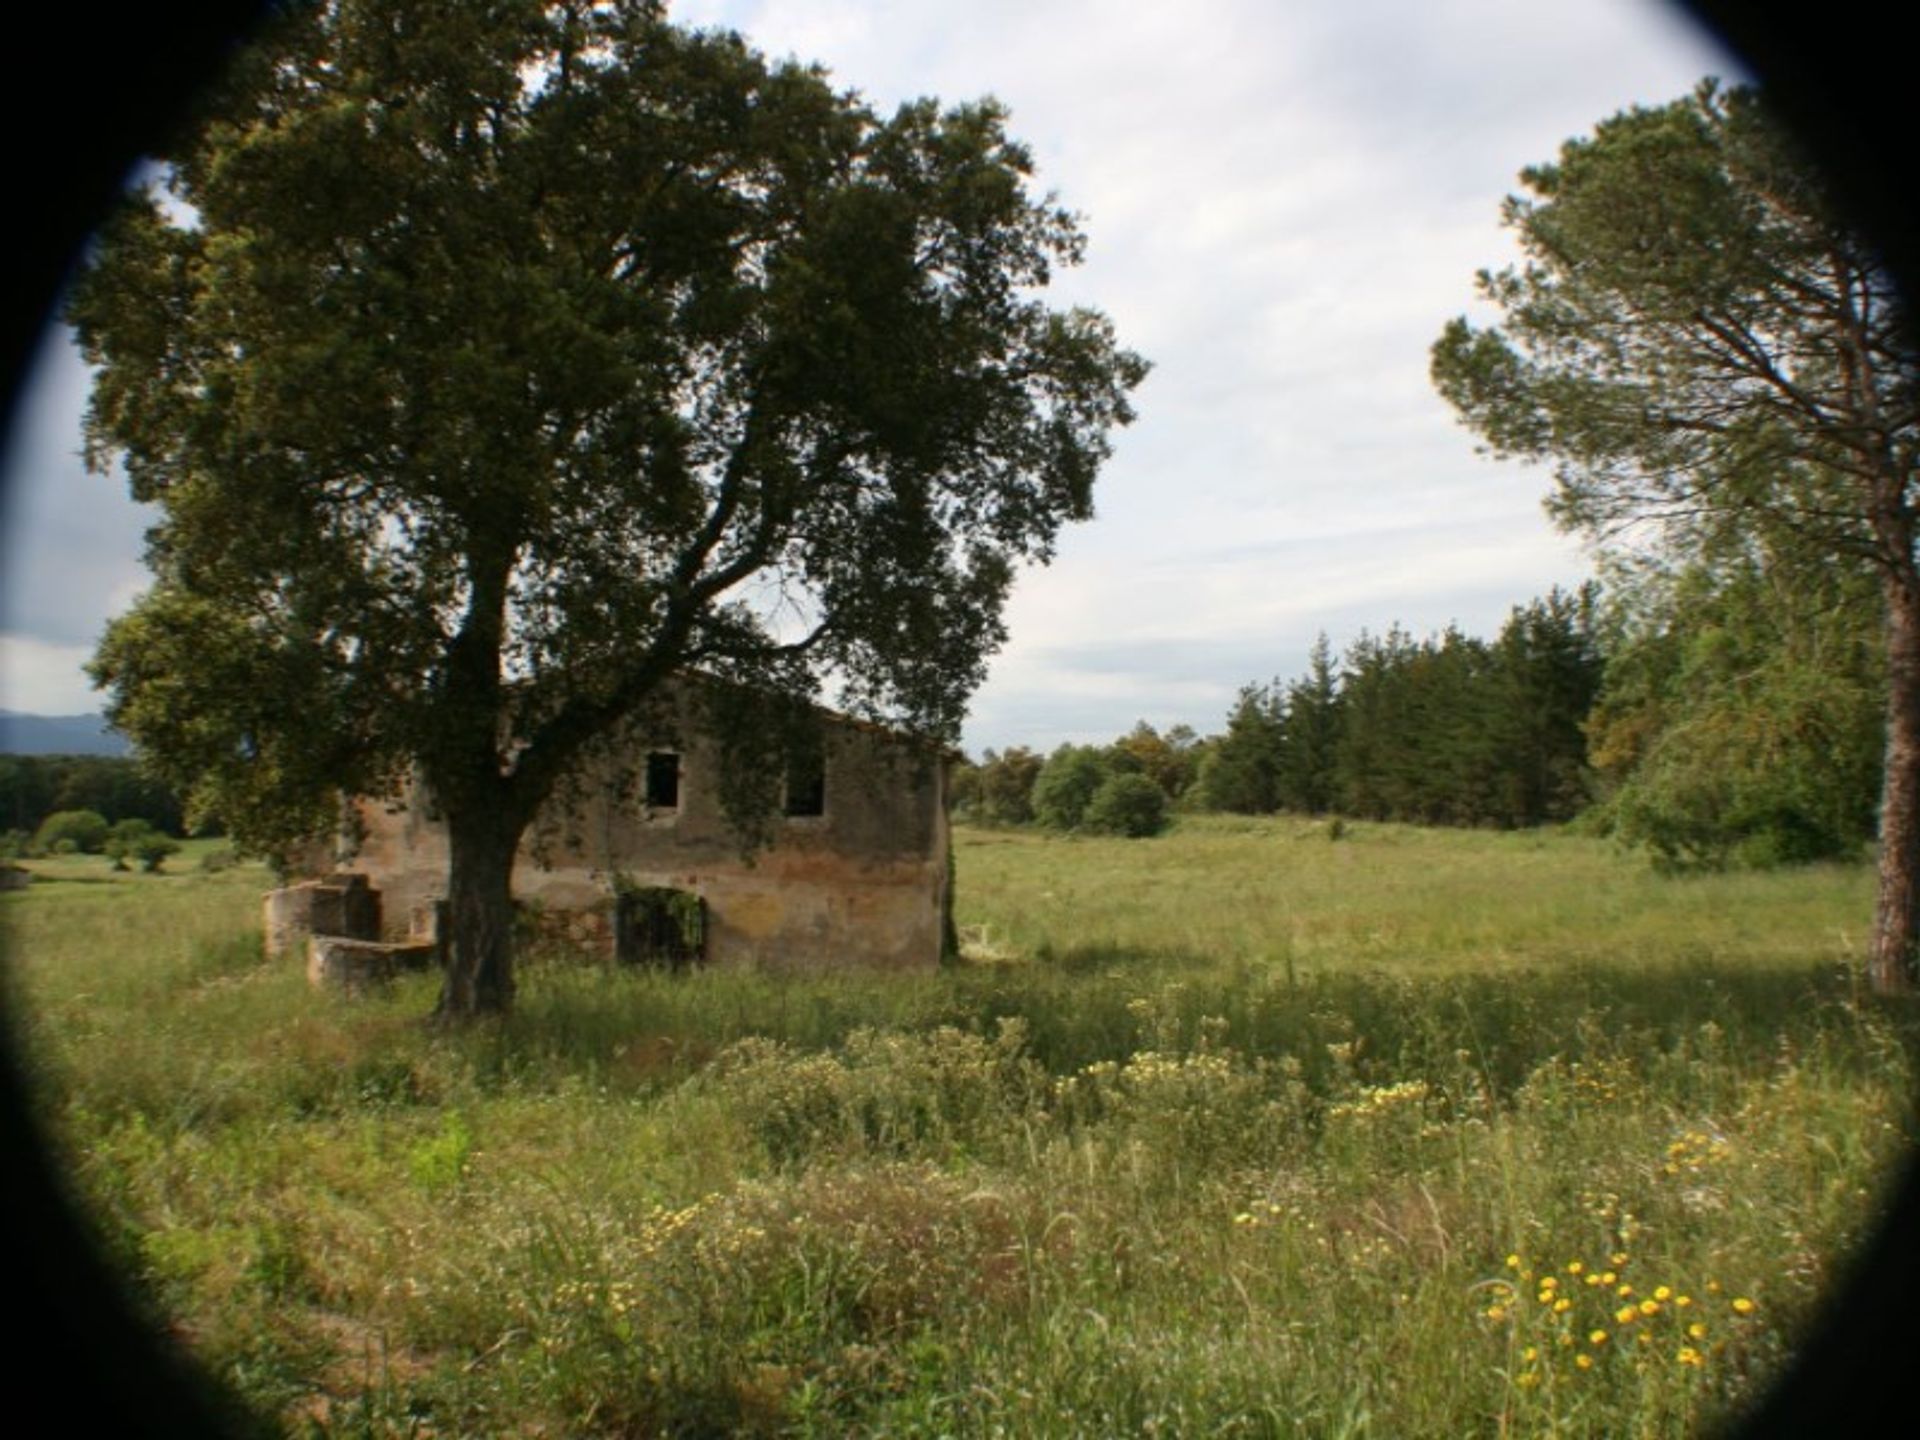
{"x":863,"y":883}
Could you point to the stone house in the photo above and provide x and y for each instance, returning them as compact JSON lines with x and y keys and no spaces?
{"x":645,"y":867}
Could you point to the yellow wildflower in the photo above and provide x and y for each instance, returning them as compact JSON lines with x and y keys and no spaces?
{"x":1649,"y":1307}
{"x":1574,"y":1267}
{"x":1690,"y":1356}
{"x":1585,"y":1362}
{"x":1662,"y":1292}
{"x":1598,"y":1337}
{"x":1742,"y":1306}
{"x":1697,"y":1331}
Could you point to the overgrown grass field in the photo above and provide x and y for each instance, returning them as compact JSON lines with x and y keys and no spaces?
{"x":1248,"y":1130}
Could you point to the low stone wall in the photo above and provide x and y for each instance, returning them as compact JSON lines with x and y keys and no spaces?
{"x":586,"y":931}
{"x":360,"y":965}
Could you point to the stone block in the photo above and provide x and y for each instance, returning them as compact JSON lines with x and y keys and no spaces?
{"x":359,"y":965}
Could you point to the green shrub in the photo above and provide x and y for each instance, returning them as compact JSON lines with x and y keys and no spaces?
{"x":152,"y":850}
{"x":1130,"y":805}
{"x":1066,"y":786}
{"x":136,"y":839}
{"x":122,"y":838}
{"x":68,"y":831}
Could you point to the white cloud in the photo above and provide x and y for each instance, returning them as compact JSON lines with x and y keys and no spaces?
{"x":44,"y":679}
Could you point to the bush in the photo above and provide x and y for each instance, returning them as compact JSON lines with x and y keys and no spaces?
{"x":1066,"y":786}
{"x":152,"y":850}
{"x":1130,"y":805}
{"x":137,"y":840}
{"x":1005,"y":786}
{"x":122,"y":838}
{"x":67,"y":831}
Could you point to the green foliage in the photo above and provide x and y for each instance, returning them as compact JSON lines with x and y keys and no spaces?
{"x":963,"y":788}
{"x":1714,"y":361}
{"x":1548,"y":667}
{"x":440,"y":1162}
{"x":1171,"y":761}
{"x":32,"y":787}
{"x":84,"y":831}
{"x":153,"y":849}
{"x":1066,"y":786}
{"x":1648,"y":348}
{"x":1394,"y":691}
{"x":1448,"y":730}
{"x":121,"y":840}
{"x":481,"y":360}
{"x":1130,"y":805}
{"x":1006,"y":782}
{"x":1241,"y":771}
{"x":1013,"y":787}
{"x":1312,"y":735}
{"x":1741,"y":720}
{"x":1459,"y":731}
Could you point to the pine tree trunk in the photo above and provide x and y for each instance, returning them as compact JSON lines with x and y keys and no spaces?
{"x":479,"y":974}
{"x":1893,"y":967}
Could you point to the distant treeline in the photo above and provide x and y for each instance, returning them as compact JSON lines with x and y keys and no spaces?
{"x":1710,"y":714}
{"x":33,"y":787}
{"x":1447,"y":730}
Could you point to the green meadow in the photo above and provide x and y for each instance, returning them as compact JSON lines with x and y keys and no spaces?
{"x":1257,"y":1128}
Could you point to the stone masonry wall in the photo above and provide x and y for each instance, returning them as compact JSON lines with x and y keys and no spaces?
{"x":863,"y":883}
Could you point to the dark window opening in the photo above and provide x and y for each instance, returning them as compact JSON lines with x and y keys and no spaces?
{"x":807,"y":784}
{"x":663,"y":780}
{"x":658,"y":926}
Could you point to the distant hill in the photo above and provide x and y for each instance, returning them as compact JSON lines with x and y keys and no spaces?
{"x":58,"y":735}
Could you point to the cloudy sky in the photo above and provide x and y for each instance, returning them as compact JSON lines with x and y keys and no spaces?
{"x":1285,"y":200}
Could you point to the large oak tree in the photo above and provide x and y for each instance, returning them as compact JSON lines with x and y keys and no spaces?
{"x":492,"y":364}
{"x":1706,"y":350}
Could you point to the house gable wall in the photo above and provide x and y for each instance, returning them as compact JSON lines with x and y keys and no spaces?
{"x":864,"y":882}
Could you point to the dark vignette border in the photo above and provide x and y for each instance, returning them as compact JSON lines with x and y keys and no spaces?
{"x":94,"y":86}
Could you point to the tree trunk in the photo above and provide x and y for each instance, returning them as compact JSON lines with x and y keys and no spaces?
{"x":1893,"y":967}
{"x":479,"y":974}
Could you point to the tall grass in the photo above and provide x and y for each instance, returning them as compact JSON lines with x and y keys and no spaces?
{"x":1240,"y":1131}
